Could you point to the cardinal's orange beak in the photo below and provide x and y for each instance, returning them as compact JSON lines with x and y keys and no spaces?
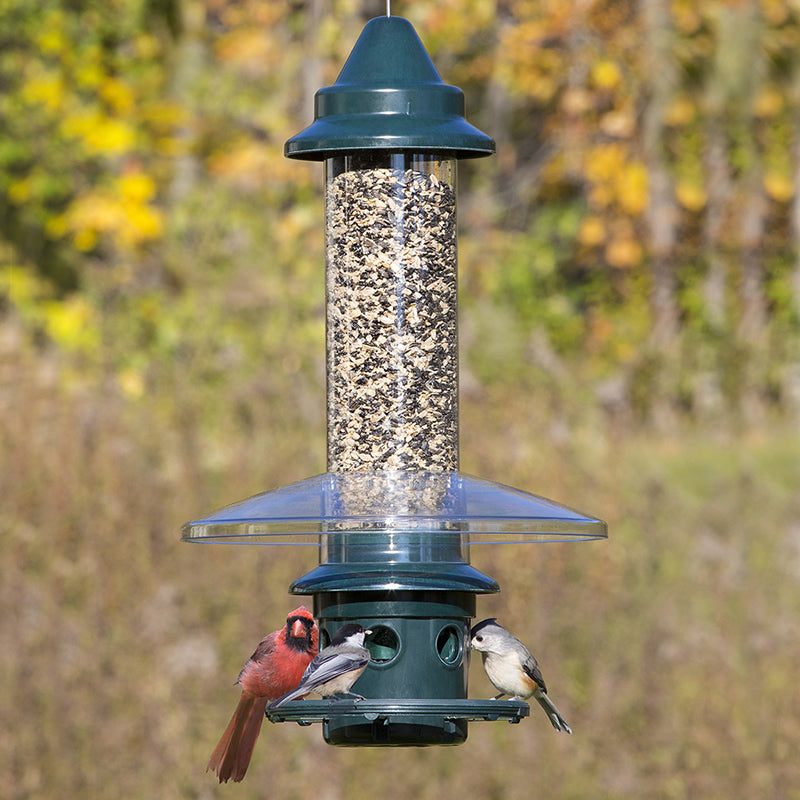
{"x":298,"y":629}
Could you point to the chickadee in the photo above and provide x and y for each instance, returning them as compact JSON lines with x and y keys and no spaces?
{"x":512,"y":669}
{"x":336,"y":668}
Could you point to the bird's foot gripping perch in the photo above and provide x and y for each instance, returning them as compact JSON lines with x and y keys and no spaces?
{"x":342,"y":695}
{"x":336,"y":699}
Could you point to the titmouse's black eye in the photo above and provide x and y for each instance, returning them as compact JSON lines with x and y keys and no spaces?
{"x":479,"y":638}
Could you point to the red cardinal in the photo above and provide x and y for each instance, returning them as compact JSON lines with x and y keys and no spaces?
{"x":275,"y":668}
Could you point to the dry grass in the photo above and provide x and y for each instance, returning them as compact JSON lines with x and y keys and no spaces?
{"x":672,"y":648}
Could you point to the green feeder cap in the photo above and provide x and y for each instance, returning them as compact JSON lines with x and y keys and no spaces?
{"x":389,"y":96}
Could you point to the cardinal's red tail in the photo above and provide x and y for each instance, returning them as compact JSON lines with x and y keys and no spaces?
{"x":232,"y":755}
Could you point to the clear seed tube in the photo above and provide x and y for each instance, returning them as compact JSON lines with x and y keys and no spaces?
{"x":392,"y":338}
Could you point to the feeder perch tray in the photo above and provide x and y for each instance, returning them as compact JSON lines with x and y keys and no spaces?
{"x":400,"y":722}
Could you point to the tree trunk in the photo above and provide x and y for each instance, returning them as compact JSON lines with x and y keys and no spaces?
{"x":312,"y":63}
{"x":661,"y":214}
{"x":791,"y":381}
{"x":753,"y":316}
{"x":751,"y":224}
{"x":718,"y":190}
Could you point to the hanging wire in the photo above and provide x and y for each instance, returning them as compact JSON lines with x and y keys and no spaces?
{"x":388,"y":8}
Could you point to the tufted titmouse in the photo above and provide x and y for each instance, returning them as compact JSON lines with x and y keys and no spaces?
{"x":512,"y":669}
{"x":336,"y":668}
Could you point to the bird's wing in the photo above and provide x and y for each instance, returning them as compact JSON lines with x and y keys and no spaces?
{"x":325,"y":667}
{"x":261,"y":655}
{"x":531,"y":669}
{"x":265,"y":646}
{"x":335,"y":665}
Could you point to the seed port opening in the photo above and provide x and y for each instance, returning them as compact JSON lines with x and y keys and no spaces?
{"x":383,"y":645}
{"x":450,"y":645}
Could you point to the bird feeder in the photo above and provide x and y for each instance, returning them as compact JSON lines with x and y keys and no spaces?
{"x":393,"y":517}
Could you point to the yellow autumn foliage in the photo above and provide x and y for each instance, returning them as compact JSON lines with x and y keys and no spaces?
{"x":143,"y":223}
{"x":72,"y":323}
{"x":50,"y":38}
{"x":606,"y":74}
{"x":249,"y":48}
{"x":631,"y":187}
{"x":123,"y":212}
{"x":19,"y":191}
{"x":131,"y":381}
{"x":604,"y":161}
{"x":616,"y":180}
{"x":686,"y":15}
{"x":100,"y":134}
{"x":592,"y":231}
{"x":691,"y":195}
{"x":20,"y":285}
{"x":48,"y":89}
{"x":136,"y":187}
{"x":681,"y":111}
{"x":619,"y":123}
{"x":118,"y":94}
{"x":89,"y":74}
{"x":624,"y":252}
{"x":85,"y":239}
{"x":245,"y":162}
{"x":779,"y":186}
{"x":769,"y":102}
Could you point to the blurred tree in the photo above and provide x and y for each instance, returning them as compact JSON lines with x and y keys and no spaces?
{"x":85,"y":131}
{"x":640,"y":218}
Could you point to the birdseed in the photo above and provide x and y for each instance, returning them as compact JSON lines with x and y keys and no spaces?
{"x":389,"y":500}
{"x":392,"y":347}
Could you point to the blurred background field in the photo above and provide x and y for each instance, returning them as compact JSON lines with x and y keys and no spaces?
{"x":630,"y":345}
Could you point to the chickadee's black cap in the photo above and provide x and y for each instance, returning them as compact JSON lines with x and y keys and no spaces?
{"x":346,"y":631}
